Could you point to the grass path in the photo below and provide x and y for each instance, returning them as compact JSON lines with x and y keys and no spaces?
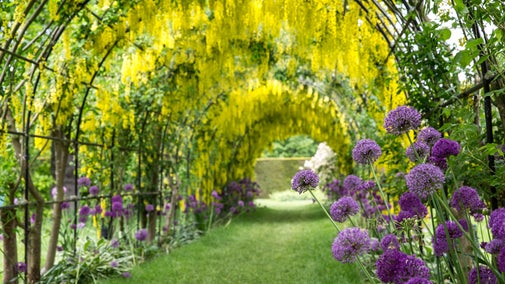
{"x":285,"y":242}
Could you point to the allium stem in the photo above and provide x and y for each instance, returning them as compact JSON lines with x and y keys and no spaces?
{"x":439,"y":201}
{"x":382,"y":193}
{"x":325,"y":211}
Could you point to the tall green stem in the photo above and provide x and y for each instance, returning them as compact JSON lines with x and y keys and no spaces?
{"x":325,"y":211}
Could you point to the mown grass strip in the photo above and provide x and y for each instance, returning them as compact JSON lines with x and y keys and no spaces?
{"x":287,"y":242}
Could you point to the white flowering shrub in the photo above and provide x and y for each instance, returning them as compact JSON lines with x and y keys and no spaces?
{"x":323,"y":163}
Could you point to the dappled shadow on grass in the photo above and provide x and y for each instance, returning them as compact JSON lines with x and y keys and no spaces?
{"x":284,"y":213}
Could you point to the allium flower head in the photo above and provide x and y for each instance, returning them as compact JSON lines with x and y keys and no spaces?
{"x":141,"y":235}
{"x":350,"y":244}
{"x":352,"y":183}
{"x":497,"y":223}
{"x":494,"y":246}
{"x":418,"y":151}
{"x":390,"y":241}
{"x":215,"y":195}
{"x":343,"y":208}
{"x":429,"y":135}
{"x":411,"y":203}
{"x":64,"y":205}
{"x":453,"y":230}
{"x":439,"y":162}
{"x":84,"y":211}
{"x":366,"y":151}
{"x":83,"y":181}
{"x":128,"y":187}
{"x":304,"y":180}
{"x":401,"y":120}
{"x":444,"y":148}
{"x":501,"y":260}
{"x":94,"y":190}
{"x":467,"y":198}
{"x":398,"y":267}
{"x":149,"y":207}
{"x":116,"y":198}
{"x":424,"y":180}
{"x":484,"y":276}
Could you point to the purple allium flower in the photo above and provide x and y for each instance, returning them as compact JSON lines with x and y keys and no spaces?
{"x":366,"y":151}
{"x":21,"y":267}
{"x":429,"y":135}
{"x":500,"y":260}
{"x":414,"y":267}
{"x":425,"y":179}
{"x":350,"y":244}
{"x":497,"y":223}
{"x":59,"y":248}
{"x":240,"y":203}
{"x":453,"y":230}
{"x":113,"y":264}
{"x":390,"y":264}
{"x":410,"y":202}
{"x":352,"y":183}
{"x":116,"y":198}
{"x":126,"y":274}
{"x":84,"y":211}
{"x":494,"y":246}
{"x":304,"y":180}
{"x":114,"y":243}
{"x":128,"y":187}
{"x":390,"y":241}
{"x":54,"y":191}
{"x":444,"y":148}
{"x":83,"y":181}
{"x":216,"y":196}
{"x":117,"y":206}
{"x":401,"y":120}
{"x":94,"y":190}
{"x":73,"y":226}
{"x":141,"y":235}
{"x":398,"y":267}
{"x":64,"y":205}
{"x":439,"y":162}
{"x":418,"y":280}
{"x":98,"y":209}
{"x":404,"y":215}
{"x":374,"y":244}
{"x":343,"y":208}
{"x":467,"y":198}
{"x":149,"y":207}
{"x":418,"y":151}
{"x":484,"y":276}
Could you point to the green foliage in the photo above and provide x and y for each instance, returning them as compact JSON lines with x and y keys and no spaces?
{"x":429,"y":74}
{"x":295,"y":146}
{"x":93,"y":261}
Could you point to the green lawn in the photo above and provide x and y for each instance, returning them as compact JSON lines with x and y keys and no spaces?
{"x":285,"y":242}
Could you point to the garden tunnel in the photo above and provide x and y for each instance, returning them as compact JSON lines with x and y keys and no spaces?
{"x":181,"y":96}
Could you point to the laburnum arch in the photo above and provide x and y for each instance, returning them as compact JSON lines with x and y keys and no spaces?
{"x":257,"y":118}
{"x":183,"y":94}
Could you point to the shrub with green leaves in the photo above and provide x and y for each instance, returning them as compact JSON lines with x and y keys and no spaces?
{"x":92,"y":261}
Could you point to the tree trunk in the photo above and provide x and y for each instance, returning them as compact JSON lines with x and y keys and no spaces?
{"x":10,"y":249}
{"x":35,"y":231}
{"x":60,"y":157}
{"x":35,"y":240}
